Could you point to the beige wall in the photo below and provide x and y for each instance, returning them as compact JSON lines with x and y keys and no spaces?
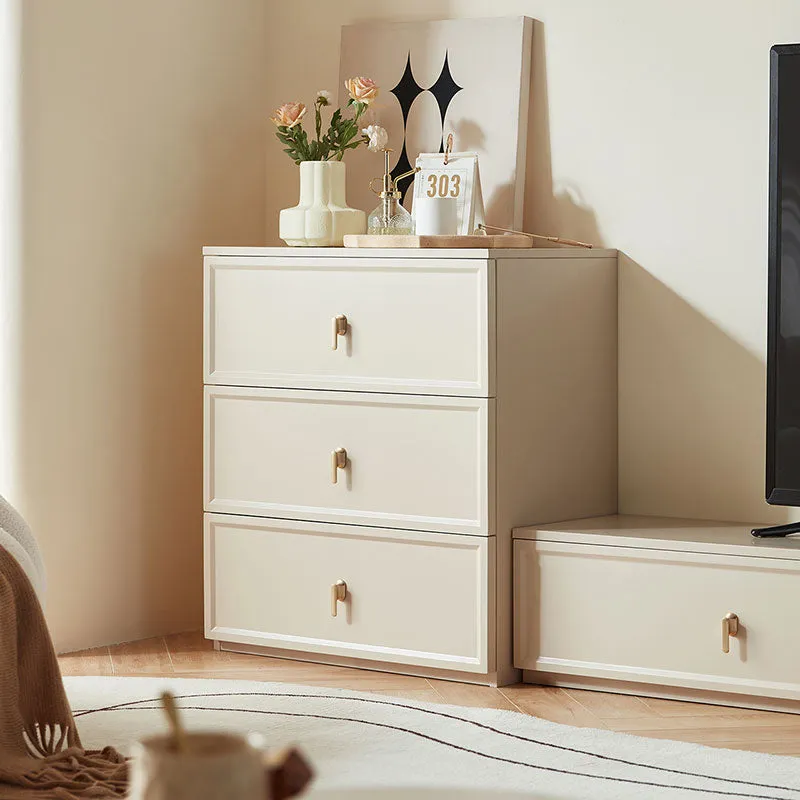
{"x":648,"y":132}
{"x":142,"y":139}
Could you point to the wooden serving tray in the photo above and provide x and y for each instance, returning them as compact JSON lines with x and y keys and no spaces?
{"x":488,"y":242}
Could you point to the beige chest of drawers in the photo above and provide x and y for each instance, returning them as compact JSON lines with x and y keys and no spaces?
{"x":376,"y":422}
{"x":679,"y":608}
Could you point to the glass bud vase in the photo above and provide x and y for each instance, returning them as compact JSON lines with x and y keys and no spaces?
{"x":390,"y":218}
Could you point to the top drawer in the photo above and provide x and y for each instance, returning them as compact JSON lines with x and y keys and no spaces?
{"x":421,"y":326}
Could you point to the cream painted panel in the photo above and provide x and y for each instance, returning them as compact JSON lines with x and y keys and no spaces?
{"x":417,"y":326}
{"x":414,"y":461}
{"x":414,"y":598}
{"x":656,"y":616}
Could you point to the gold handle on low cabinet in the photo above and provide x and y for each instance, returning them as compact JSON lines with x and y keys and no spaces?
{"x":338,"y":594}
{"x":730,"y":627}
{"x":339,"y":328}
{"x":338,"y":461}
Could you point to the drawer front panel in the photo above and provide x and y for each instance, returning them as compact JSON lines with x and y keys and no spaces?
{"x":412,"y":598}
{"x":416,"y":326}
{"x":656,"y":616}
{"x":412,"y":462}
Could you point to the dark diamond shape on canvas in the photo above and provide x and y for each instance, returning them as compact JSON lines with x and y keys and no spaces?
{"x":445,"y":88}
{"x":407,"y":90}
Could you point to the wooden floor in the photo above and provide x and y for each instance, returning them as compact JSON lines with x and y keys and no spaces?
{"x":189,"y":655}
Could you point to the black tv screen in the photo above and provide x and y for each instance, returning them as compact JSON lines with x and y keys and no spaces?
{"x":783,"y":337}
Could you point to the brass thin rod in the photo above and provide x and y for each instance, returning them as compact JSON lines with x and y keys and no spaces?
{"x":448,"y":148}
{"x":557,"y":239}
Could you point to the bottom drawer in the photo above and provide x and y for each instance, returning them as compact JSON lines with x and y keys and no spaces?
{"x":412,"y":598}
{"x":656,"y":616}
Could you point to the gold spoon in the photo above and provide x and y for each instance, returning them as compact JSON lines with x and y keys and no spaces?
{"x":178,"y":732}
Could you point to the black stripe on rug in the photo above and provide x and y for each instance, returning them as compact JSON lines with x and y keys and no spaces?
{"x":128,"y":706}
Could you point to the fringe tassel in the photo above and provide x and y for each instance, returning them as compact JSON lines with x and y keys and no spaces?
{"x":72,"y":773}
{"x":47,"y":740}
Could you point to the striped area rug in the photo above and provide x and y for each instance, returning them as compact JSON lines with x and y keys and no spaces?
{"x":363,"y":742}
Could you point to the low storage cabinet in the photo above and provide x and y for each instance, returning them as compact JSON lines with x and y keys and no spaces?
{"x":675,"y":607}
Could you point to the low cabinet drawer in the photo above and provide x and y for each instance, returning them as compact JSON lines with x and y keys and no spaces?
{"x":407,"y":597}
{"x":418,"y":326}
{"x":403,"y":461}
{"x":657,"y":616}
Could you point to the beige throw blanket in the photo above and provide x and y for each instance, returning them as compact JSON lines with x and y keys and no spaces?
{"x":40,"y":751}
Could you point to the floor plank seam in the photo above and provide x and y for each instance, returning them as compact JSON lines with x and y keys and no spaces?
{"x":169,"y":652}
{"x":438,"y":693}
{"x":499,"y":689}
{"x":592,"y":715}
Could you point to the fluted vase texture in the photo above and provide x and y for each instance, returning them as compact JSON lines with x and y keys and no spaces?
{"x":322,"y":218}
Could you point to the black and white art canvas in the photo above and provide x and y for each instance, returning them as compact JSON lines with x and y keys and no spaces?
{"x":468,"y":77}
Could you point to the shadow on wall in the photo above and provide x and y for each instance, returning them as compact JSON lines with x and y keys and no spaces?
{"x":550,"y":210}
{"x":679,"y":372}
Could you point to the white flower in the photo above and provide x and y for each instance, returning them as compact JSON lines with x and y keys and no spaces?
{"x":378,"y":137}
{"x":324,"y":97}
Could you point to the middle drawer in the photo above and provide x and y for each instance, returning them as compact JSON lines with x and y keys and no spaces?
{"x":424,"y":463}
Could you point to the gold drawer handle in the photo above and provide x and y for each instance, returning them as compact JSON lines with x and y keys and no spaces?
{"x":340,"y":327}
{"x":338,"y":593}
{"x":730,"y":627}
{"x":338,"y":461}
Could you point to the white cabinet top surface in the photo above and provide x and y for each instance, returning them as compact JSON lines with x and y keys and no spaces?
{"x":426,"y":252}
{"x":662,"y":533}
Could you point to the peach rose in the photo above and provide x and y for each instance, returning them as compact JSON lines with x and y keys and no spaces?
{"x":362,"y":90}
{"x":289,"y":115}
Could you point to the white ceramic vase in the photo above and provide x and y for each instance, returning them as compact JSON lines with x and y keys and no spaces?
{"x":322,"y":217}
